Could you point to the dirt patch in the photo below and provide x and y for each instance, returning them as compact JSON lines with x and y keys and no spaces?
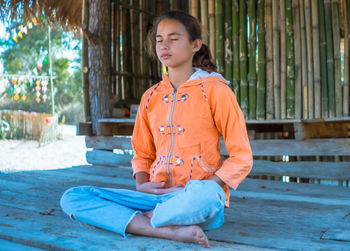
{"x":20,"y":155}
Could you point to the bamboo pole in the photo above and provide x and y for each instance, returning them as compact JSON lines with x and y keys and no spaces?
{"x":330,"y":60}
{"x":283,"y":64}
{"x":219,"y":36}
{"x":212,"y":27}
{"x":143,"y":35}
{"x":337,"y":59}
{"x":235,"y":47}
{"x":276,"y":61}
{"x":195,"y":8}
{"x":297,"y":60}
{"x":261,"y":61}
{"x":304,"y":78}
{"x":309,"y":60}
{"x":228,"y":39}
{"x":243,"y":57}
{"x":316,"y":59}
{"x":290,"y":59}
{"x":346,"y":88}
{"x":269,"y":60}
{"x":323,"y":60}
{"x":204,"y":21}
{"x":252,"y":59}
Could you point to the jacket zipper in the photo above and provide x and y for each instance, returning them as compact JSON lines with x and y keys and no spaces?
{"x":172,"y":137}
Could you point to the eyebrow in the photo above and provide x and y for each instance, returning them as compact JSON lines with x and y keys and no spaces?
{"x":170,"y":34}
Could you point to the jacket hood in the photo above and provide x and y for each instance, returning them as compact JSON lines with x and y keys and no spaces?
{"x":197,"y":77}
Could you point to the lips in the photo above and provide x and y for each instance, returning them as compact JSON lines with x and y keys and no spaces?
{"x":165,"y":56}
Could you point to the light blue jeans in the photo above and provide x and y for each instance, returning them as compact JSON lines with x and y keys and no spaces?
{"x":201,"y":202}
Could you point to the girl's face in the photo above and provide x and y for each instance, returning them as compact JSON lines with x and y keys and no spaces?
{"x":173,"y":45}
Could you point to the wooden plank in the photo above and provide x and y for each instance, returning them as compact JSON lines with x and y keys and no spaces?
{"x":100,"y":157}
{"x":341,"y":234}
{"x":84,"y":128}
{"x":275,"y":147}
{"x":10,"y":246}
{"x":304,"y":169}
{"x":336,"y":129}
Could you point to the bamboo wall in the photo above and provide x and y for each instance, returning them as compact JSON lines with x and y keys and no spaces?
{"x":286,"y":59}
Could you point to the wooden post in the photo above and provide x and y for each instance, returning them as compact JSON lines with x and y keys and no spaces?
{"x":346,"y":8}
{"x":309,"y":60}
{"x":219,"y":36}
{"x":212,"y":28}
{"x":276,"y":60}
{"x":323,"y":60}
{"x":235,"y":47}
{"x":316,"y":58}
{"x":99,"y":61}
{"x":283,"y":58}
{"x":337,"y":63}
{"x":261,"y":61}
{"x":297,"y":59}
{"x":269,"y":60}
{"x":330,"y":60}
{"x":290,"y":60}
{"x":228,"y":39}
{"x":304,"y":76}
{"x":252,"y":59}
{"x":243,"y":57}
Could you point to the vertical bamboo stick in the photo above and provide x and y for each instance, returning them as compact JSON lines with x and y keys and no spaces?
{"x":143,"y":35}
{"x":219,"y":36}
{"x":85,"y":62}
{"x":283,"y":64}
{"x":252,"y":59}
{"x":235,"y":47}
{"x":276,"y":60}
{"x":330,"y":60}
{"x":261,"y":61}
{"x":297,"y":60}
{"x":243,"y":57}
{"x":323,"y":60}
{"x":309,"y":60}
{"x":204,"y":21}
{"x":195,"y":8}
{"x":346,"y":58}
{"x":316,"y":58}
{"x":228,"y":39}
{"x":212,"y":27}
{"x":269,"y":60}
{"x":337,"y":64}
{"x":290,"y":60}
{"x":304,"y":76}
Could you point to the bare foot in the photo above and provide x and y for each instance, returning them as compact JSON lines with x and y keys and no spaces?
{"x":192,"y":234}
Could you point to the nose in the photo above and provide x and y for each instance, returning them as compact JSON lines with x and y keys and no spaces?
{"x":164,"y":45}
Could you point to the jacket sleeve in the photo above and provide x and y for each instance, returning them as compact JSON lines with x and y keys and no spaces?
{"x":230,"y":123}
{"x":142,"y":141}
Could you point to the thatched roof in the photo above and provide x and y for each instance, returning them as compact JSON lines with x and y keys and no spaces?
{"x":67,"y":13}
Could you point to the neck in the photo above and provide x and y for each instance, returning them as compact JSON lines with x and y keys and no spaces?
{"x":179,"y":76}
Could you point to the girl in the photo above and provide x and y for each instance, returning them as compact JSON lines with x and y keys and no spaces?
{"x":182,"y":185}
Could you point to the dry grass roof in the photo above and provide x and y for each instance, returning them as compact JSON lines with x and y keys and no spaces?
{"x":67,"y":13}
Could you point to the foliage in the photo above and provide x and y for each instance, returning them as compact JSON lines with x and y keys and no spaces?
{"x":30,"y":56}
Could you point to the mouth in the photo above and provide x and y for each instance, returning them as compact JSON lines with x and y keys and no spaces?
{"x":165,"y":56}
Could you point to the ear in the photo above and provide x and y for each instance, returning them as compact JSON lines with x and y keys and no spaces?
{"x":197,"y":44}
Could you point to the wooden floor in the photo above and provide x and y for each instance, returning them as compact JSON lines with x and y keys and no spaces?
{"x":263,"y":215}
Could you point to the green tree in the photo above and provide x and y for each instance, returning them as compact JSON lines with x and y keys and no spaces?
{"x":30,"y":56}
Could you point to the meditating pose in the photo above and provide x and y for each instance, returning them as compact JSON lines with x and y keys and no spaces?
{"x":182,"y":184}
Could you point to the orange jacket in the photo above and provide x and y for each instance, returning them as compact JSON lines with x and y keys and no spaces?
{"x":177,"y":139}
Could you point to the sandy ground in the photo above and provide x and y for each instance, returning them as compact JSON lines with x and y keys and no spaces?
{"x":20,"y":155}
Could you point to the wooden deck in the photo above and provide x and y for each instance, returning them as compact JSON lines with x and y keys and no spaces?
{"x":263,"y":215}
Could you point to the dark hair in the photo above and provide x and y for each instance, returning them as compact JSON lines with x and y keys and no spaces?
{"x":202,"y":58}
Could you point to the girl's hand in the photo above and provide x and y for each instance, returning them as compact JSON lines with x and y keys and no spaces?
{"x":156,"y":188}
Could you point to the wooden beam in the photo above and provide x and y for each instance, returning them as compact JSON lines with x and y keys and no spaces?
{"x":274,"y":147}
{"x":84,"y":128}
{"x":337,"y":129}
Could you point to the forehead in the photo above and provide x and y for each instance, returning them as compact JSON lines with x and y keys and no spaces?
{"x":170,"y":26}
